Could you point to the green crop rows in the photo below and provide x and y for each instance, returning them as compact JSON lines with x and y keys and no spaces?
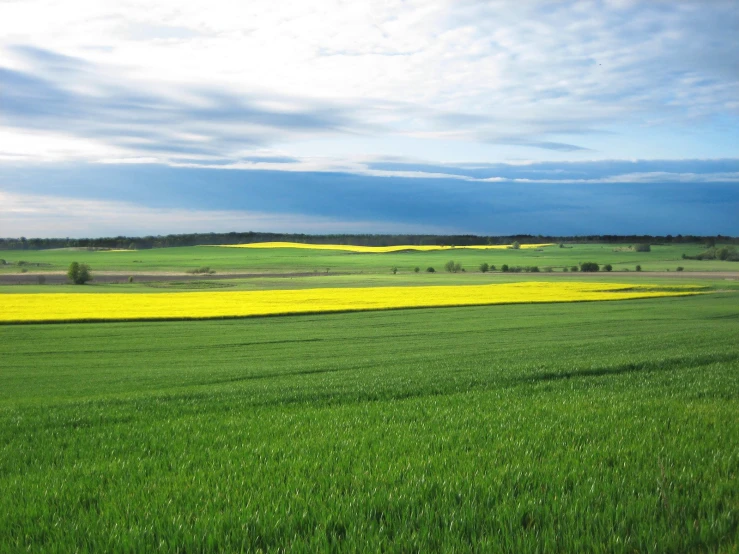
{"x":601,"y":427}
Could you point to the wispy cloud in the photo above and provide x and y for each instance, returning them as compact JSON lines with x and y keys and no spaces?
{"x":216,"y":80}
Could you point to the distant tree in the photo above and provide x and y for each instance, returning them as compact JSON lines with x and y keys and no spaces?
{"x":589,"y":267}
{"x":416,"y":269}
{"x":504,"y":268}
{"x":638,"y":268}
{"x":565,"y":269}
{"x":642,"y":248}
{"x":515,"y":246}
{"x":573,"y":268}
{"x":492,"y":268}
{"x":394,"y":270}
{"x":484,"y":267}
{"x":453,"y":267}
{"x":430,"y":270}
{"x":680,"y":268}
{"x":608,"y":267}
{"x":79,"y":273}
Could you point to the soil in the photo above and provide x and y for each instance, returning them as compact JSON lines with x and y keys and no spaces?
{"x":110,"y":277}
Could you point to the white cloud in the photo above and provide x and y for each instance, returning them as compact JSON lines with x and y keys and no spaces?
{"x":535,"y":74}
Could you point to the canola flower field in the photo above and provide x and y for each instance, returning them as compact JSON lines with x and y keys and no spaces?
{"x":66,"y":307}
{"x":379,"y":249}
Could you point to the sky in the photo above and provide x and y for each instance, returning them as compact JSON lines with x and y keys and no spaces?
{"x":387,"y":116}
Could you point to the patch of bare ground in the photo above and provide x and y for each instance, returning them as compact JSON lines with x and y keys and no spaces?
{"x":111,"y":277}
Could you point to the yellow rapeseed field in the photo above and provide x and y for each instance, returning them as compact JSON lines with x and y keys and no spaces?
{"x":375,"y":249}
{"x":200,"y":305}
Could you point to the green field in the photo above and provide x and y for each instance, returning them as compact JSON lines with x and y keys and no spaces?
{"x":527,"y":428}
{"x":661,"y":258}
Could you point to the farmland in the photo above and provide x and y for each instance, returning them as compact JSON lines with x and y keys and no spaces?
{"x":586,"y":426}
{"x":285,"y":260}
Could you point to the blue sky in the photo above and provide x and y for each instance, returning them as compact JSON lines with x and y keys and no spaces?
{"x":542,"y":117}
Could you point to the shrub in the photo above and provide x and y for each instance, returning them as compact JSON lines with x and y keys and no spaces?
{"x":430,"y":270}
{"x":79,"y":273}
{"x":492,"y":268}
{"x":452,"y":267}
{"x":589,"y":267}
{"x":727,"y":253}
{"x":532,"y":269}
{"x":394,"y":270}
{"x":130,"y":278}
{"x":638,"y":268}
{"x":642,"y":248}
{"x":680,"y":268}
{"x":565,"y":269}
{"x":515,"y":246}
{"x":205,"y":270}
{"x":416,"y":269}
{"x":2,"y":262}
{"x":608,"y":267}
{"x":573,"y":268}
{"x":504,"y":268}
{"x":484,"y":267}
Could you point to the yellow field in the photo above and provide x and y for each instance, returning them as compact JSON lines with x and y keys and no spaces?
{"x":374,"y":249}
{"x":201,"y":305}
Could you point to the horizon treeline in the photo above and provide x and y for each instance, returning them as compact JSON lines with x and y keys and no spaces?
{"x":197,"y":239}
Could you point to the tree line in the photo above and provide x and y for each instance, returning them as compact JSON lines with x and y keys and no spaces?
{"x":197,"y":239}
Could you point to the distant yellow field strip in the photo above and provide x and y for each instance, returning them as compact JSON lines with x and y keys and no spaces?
{"x":202,"y":305}
{"x":375,"y":249}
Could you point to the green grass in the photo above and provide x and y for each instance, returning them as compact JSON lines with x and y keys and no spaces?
{"x":530,"y":428}
{"x":661,"y":258}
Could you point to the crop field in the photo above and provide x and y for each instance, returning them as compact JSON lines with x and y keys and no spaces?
{"x":379,"y":249}
{"x":280,"y":260}
{"x":40,"y":307}
{"x":525,"y":416}
{"x":602,"y":426}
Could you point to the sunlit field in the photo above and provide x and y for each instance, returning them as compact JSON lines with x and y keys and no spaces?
{"x":289,"y":260}
{"x":504,"y":412}
{"x":41,"y":307}
{"x":597,"y":426}
{"x":381,"y":249}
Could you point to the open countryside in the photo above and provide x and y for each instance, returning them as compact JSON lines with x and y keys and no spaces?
{"x":518,"y":417}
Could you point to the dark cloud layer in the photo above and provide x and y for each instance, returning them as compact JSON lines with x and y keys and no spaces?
{"x":477,"y":207}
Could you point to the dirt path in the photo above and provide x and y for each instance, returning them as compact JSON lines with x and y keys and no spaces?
{"x":109,"y":277}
